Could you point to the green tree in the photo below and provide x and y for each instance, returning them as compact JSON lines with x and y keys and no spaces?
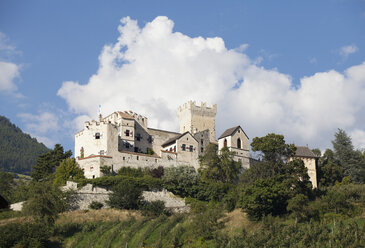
{"x":180,"y":180}
{"x":47,"y":163}
{"x":67,"y":170}
{"x":219,"y":167}
{"x":350,"y":160}
{"x":45,"y":203}
{"x":126,"y":195}
{"x":273,"y":148}
{"x":6,"y":184}
{"x":296,"y":206}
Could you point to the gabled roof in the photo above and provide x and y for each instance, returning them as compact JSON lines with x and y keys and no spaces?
{"x":230,"y":131}
{"x":303,"y":151}
{"x":173,"y":140}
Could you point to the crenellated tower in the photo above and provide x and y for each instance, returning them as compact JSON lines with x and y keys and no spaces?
{"x":194,"y":118}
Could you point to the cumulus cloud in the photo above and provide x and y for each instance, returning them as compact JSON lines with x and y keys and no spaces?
{"x":9,"y":72}
{"x":44,"y":126}
{"x":154,"y":69}
{"x":345,"y":51}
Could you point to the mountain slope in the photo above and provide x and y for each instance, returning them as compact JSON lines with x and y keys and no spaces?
{"x":18,"y":151}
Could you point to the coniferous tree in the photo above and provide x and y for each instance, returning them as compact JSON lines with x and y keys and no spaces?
{"x":350,"y":159}
{"x":47,"y":163}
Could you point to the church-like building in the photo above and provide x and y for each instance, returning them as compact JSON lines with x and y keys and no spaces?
{"x":124,"y":139}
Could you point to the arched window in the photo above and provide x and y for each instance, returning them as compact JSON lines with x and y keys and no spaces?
{"x":225,"y":143}
{"x":239,"y":143}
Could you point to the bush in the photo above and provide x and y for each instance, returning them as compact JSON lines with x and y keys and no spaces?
{"x":157,"y":172}
{"x":180,"y":180}
{"x":126,"y":195}
{"x":154,"y":208}
{"x":96,"y":205}
{"x":131,"y":172}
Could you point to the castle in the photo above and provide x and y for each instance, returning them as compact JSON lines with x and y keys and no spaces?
{"x":124,"y":139}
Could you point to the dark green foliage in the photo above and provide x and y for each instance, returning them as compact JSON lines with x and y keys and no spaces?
{"x":329,"y":171}
{"x":6,"y":184}
{"x":351,"y":160}
{"x":154,"y":209}
{"x":18,"y":151}
{"x":106,"y":170}
{"x":259,"y":170}
{"x":157,"y":172}
{"x":131,"y":172}
{"x":67,"y":170}
{"x":47,"y":163}
{"x":273,"y":148}
{"x":220,"y":167}
{"x":264,"y":197}
{"x":96,"y":205}
{"x":45,"y":202}
{"x":126,"y":195}
{"x":180,"y":180}
{"x":145,"y":182}
{"x":24,"y":235}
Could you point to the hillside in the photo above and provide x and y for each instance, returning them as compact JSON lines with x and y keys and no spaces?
{"x":18,"y":151}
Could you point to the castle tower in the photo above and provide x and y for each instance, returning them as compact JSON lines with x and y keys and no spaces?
{"x":195,"y":118}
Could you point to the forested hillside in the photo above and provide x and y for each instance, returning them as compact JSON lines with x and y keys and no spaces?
{"x":18,"y":151}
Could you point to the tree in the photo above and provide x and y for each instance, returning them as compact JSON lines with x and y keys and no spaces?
{"x":219,"y":167}
{"x":296,"y":205}
{"x":6,"y":184}
{"x":67,"y":170}
{"x":180,"y":180}
{"x":329,"y":171}
{"x":126,"y":195}
{"x":273,"y":148}
{"x":45,"y":203}
{"x":350,"y":160}
{"x":47,"y":163}
{"x":106,"y":170}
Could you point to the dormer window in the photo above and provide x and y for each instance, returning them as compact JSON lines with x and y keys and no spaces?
{"x":97,"y":135}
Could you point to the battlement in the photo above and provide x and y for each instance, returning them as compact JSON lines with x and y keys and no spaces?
{"x":192,"y":106}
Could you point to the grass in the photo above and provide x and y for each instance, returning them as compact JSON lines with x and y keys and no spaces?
{"x":104,"y":215}
{"x":236,"y":221}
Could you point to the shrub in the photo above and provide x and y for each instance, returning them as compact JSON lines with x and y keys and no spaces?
{"x":180,"y":180}
{"x":126,"y":195}
{"x":157,"y":172}
{"x":154,"y":208}
{"x":96,"y":205}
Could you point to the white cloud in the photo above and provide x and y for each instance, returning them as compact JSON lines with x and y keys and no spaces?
{"x":152,"y":70}
{"x":358,"y":138}
{"x":43,"y":126}
{"x":345,"y":51}
{"x":9,"y":72}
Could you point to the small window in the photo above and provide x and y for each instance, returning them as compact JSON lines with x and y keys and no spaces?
{"x":123,"y":158}
{"x":183,"y":147}
{"x":174,"y":148}
{"x":191,"y":148}
{"x":239,"y":143}
{"x":97,"y":135}
{"x":138,"y":137}
{"x":126,"y":145}
{"x":93,"y":176}
{"x":202,"y":142}
{"x":239,"y":131}
{"x":126,"y":132}
{"x":202,"y":149}
{"x":137,"y":157}
{"x":225,"y":143}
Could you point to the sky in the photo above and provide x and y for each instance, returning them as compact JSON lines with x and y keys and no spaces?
{"x":295,"y":68}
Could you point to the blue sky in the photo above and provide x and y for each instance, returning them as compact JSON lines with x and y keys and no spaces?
{"x":282,"y":42}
